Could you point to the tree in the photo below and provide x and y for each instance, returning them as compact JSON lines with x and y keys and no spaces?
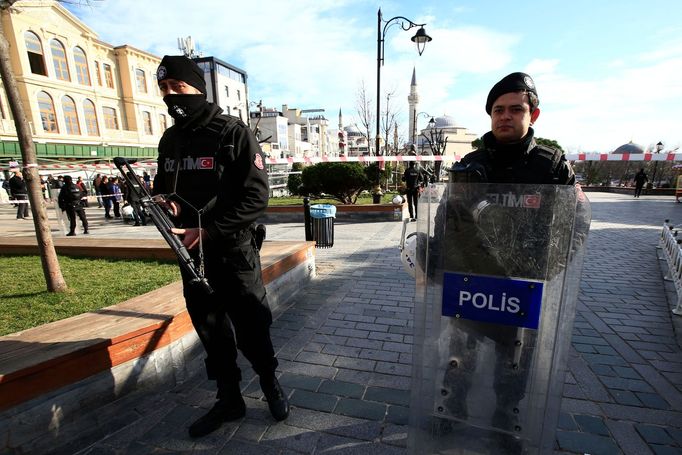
{"x":294,"y":181}
{"x":437,"y":144}
{"x":388,"y":122}
{"x":549,"y":143}
{"x":365,"y":111}
{"x":48,"y":256}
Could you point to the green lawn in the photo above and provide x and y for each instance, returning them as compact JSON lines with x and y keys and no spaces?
{"x":93,"y":284}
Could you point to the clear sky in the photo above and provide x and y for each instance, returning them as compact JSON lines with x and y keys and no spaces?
{"x":607,"y":72}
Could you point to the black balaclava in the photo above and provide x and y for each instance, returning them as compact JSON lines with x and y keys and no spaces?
{"x":183,"y":107}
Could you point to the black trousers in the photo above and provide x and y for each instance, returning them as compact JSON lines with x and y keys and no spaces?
{"x":71,"y":213}
{"x":236,"y":315}
{"x":22,"y":207}
{"x":412,"y":196}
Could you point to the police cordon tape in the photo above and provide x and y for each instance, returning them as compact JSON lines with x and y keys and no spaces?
{"x":373,"y":159}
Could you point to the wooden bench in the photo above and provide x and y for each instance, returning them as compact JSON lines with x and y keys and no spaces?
{"x":43,"y":359}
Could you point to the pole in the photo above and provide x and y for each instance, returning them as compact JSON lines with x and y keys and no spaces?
{"x":379,"y":40}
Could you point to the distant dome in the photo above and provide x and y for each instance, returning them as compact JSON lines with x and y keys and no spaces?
{"x":445,"y":122}
{"x":630,"y":147}
{"x":352,"y":130}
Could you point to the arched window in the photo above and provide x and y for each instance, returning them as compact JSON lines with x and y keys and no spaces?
{"x":82,"y":70}
{"x":163,"y":121}
{"x":90,"y":118}
{"x":34,"y":48}
{"x":110,"y":120}
{"x":61,"y":67}
{"x":141,"y":81}
{"x":70,"y":115}
{"x":147,"y":119}
{"x":47,"y":113}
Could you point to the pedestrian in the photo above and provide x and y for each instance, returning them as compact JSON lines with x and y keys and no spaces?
{"x":640,"y":179}
{"x":19,"y":192}
{"x":69,"y":200}
{"x":413,"y":181}
{"x":84,"y":190}
{"x":476,"y":236}
{"x":96,"y":182}
{"x":106,"y":193}
{"x":212,"y":168}
{"x":116,"y":196}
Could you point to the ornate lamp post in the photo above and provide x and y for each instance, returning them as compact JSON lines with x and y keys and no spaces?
{"x":659,"y":147}
{"x":414,"y":126}
{"x":420,"y":39}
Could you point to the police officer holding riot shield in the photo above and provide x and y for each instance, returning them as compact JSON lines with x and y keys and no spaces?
{"x":486,"y":237}
{"x":212,"y":174}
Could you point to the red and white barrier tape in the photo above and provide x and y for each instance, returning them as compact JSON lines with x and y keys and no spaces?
{"x":385,"y":159}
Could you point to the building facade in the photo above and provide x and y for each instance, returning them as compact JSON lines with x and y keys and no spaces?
{"x":84,"y":99}
{"x":226,"y":86}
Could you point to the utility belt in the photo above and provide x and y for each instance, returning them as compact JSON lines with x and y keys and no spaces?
{"x":254,"y":233}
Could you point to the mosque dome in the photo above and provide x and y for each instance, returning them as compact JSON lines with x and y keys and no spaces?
{"x":445,"y":121}
{"x":630,"y":147}
{"x":352,"y":130}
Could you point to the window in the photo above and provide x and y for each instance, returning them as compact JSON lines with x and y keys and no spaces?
{"x":61,"y":67}
{"x":141,"y":81}
{"x":82,"y":70}
{"x":147,"y":119}
{"x":35,"y":53}
{"x":98,"y":74}
{"x":227,"y":110}
{"x":90,"y":118}
{"x":227,"y":91}
{"x":47,"y":114}
{"x":163,"y":121}
{"x":110,"y":120}
{"x":70,"y":116}
{"x":239,"y":95}
{"x":108,"y":75}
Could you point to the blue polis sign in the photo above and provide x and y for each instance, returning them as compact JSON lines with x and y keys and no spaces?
{"x":492,"y":299}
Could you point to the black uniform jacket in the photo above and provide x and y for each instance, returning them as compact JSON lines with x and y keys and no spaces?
{"x":214,"y":168}
{"x":523,"y":162}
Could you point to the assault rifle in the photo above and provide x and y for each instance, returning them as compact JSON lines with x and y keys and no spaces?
{"x":162,"y":222}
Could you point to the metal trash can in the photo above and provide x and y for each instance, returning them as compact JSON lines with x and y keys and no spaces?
{"x":322,"y":217}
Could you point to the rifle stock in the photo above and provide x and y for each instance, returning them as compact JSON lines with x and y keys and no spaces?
{"x":162,"y":222}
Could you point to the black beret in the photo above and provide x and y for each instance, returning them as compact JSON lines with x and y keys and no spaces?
{"x":514,"y":82}
{"x":181,"y":68}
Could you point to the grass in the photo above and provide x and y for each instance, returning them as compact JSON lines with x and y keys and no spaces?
{"x":362,"y":200}
{"x":93,"y":284}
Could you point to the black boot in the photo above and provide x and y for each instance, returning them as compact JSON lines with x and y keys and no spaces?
{"x":275,"y":396}
{"x":70,"y":234}
{"x":230,"y":406}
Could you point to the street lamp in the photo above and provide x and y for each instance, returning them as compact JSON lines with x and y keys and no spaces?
{"x":420,"y":39}
{"x":414,"y":126}
{"x":659,"y":147}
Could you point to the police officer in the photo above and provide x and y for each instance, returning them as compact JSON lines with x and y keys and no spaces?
{"x":510,"y":153}
{"x":413,"y":179}
{"x":69,"y":200}
{"x":486,"y":238}
{"x":211,"y":169}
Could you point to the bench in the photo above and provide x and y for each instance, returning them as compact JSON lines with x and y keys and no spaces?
{"x":38,"y":362}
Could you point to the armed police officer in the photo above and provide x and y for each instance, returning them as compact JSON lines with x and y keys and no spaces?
{"x":70,"y":201}
{"x":212,"y":174}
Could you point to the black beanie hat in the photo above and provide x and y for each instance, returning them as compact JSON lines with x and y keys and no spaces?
{"x":513,"y":82}
{"x":183,"y":69}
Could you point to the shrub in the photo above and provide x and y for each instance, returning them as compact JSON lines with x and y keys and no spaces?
{"x":341,"y":181}
{"x":294,"y":181}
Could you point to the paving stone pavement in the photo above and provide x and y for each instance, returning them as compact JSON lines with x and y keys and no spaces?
{"x":344,"y":345}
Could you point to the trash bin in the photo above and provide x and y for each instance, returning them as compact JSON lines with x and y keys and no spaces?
{"x":322,"y":217}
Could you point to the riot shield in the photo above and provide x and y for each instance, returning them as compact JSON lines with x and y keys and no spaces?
{"x":497,"y":272}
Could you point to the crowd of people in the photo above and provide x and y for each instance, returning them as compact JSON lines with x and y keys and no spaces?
{"x":72,"y":195}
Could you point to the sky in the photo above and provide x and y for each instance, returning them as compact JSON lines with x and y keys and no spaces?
{"x":607,"y":72}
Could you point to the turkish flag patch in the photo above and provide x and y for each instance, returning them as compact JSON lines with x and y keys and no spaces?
{"x":258,"y":161}
{"x":206,"y":162}
{"x":531,"y":201}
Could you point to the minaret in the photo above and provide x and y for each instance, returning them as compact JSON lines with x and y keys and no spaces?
{"x":340,"y":120}
{"x":413,"y":100}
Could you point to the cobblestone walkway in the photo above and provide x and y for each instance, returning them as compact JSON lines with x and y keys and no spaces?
{"x":344,"y":345}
